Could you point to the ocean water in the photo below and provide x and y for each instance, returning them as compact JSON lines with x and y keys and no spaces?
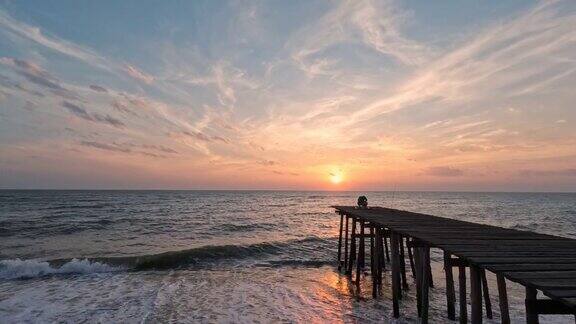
{"x":222,"y":256}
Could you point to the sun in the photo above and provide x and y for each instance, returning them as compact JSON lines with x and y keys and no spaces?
{"x":336,"y":178}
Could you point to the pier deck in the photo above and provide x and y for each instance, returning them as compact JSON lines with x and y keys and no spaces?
{"x":539,"y":262}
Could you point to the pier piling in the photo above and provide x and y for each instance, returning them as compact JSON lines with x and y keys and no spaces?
{"x":450,"y":293}
{"x":539,"y":262}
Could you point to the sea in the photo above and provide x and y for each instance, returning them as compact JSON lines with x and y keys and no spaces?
{"x":224,"y":256}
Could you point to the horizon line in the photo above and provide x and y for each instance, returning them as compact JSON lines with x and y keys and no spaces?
{"x":286,"y":190}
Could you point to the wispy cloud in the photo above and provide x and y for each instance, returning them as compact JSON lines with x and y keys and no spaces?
{"x":547,"y":173}
{"x":374,"y":24}
{"x":444,"y":171}
{"x":54,"y":43}
{"x":138,"y":74}
{"x":93,"y":117}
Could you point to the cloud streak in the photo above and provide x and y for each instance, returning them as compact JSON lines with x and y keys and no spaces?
{"x":82,"y":113}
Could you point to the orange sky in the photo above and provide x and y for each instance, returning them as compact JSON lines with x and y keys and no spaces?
{"x":358,"y":95}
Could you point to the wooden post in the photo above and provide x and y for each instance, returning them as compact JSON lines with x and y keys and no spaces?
{"x":395,"y":275}
{"x":403,"y":264}
{"x":503,"y":299}
{"x":372,"y":270}
{"x":340,"y":242}
{"x":475,"y":294}
{"x":425,"y":284}
{"x":380,"y":258}
{"x":418,"y":278}
{"x":362,"y":246}
{"x":450,"y":293}
{"x":531,"y":314}
{"x":486,"y":294}
{"x":361,"y":252}
{"x":462,"y":289}
{"x":430,"y":278}
{"x":346,"y":245}
{"x":374,"y":260}
{"x":352,"y":257}
{"x":386,"y":246}
{"x":411,"y":258}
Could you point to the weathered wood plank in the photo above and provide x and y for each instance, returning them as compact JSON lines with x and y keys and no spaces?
{"x":529,"y":267}
{"x":542,"y":274}
{"x":526,"y":260}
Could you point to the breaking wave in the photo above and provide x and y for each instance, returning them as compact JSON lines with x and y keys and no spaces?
{"x":22,"y":269}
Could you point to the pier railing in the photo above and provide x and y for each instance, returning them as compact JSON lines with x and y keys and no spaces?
{"x":539,"y":262}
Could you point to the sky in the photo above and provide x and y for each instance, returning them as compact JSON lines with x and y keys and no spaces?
{"x":296,"y":95}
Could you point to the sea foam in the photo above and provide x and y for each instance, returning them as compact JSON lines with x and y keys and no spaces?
{"x":21,"y":269}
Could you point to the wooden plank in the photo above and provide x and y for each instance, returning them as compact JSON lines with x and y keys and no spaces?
{"x":562,"y":293}
{"x":554,"y":283}
{"x":548,"y":306}
{"x":570,"y":302}
{"x":542,"y":274}
{"x":530,"y":267}
{"x":463,"y":250}
{"x":506,"y":254}
{"x":526,"y":260}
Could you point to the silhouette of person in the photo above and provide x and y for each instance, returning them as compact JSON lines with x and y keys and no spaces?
{"x":362,"y":202}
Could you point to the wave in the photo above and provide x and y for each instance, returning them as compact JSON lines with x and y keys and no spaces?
{"x":246,"y":227}
{"x":20,"y":269}
{"x":24,"y":269}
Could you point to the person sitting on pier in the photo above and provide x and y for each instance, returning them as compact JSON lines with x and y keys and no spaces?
{"x":362,"y":202}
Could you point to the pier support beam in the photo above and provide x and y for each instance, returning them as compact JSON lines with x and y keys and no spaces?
{"x":346,"y":245}
{"x":486,"y":294}
{"x":352,"y":257}
{"x":425,"y":274}
{"x":476,"y":294}
{"x":340,"y":242}
{"x":418,"y":278}
{"x":362,"y":246}
{"x":450,"y":293}
{"x":361,"y":255}
{"x":375,"y":255}
{"x":396,"y":293}
{"x":403,"y":264}
{"x":381,"y":260}
{"x":411,"y":257}
{"x":386,"y":245}
{"x":531,"y":313}
{"x":374,"y":261}
{"x":462,"y":294}
{"x":503,"y":299}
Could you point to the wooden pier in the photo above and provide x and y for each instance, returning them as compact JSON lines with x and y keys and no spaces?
{"x":539,"y":262}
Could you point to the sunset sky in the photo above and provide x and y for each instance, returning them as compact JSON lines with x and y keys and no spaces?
{"x":358,"y":95}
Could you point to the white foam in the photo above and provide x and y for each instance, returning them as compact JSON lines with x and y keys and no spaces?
{"x":19,"y":269}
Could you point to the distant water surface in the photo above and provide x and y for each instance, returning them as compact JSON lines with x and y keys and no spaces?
{"x":219,"y":256}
